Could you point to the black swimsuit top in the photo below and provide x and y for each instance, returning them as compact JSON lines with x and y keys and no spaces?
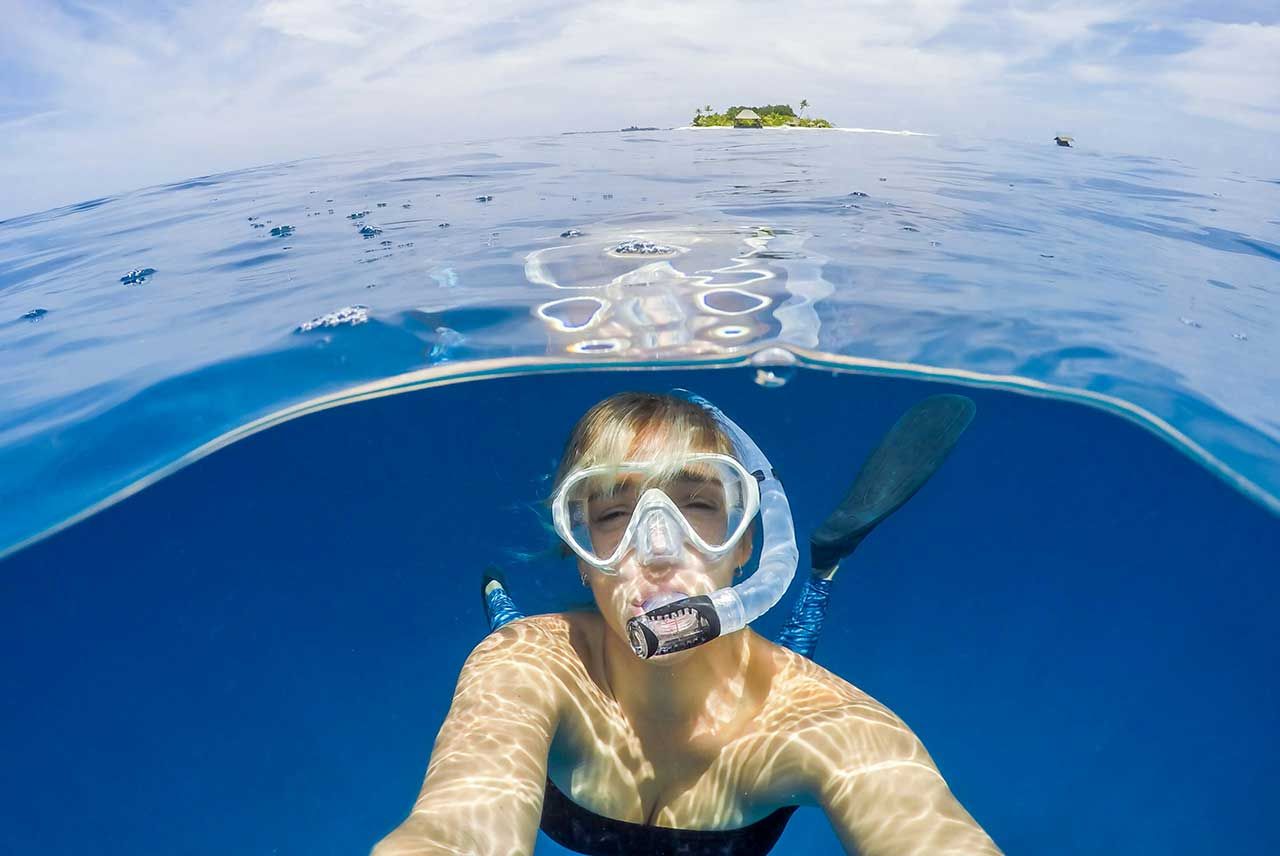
{"x":570,"y":825}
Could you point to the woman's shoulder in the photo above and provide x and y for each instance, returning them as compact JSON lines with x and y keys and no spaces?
{"x":532,"y":634}
{"x":552,"y":628}
{"x":549,"y":643}
{"x":805,"y":695}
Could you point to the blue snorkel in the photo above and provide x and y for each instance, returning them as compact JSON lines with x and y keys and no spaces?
{"x":693,"y":621}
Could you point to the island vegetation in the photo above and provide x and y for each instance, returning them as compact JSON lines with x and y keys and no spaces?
{"x":767,"y":116}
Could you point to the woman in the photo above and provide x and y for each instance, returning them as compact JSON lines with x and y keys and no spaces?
{"x":581,"y":722}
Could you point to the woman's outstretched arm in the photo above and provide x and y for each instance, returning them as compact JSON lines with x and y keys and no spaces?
{"x":882,"y":792}
{"x":488,"y":770}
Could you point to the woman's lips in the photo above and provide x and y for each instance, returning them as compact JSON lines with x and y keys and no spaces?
{"x":657,"y":599}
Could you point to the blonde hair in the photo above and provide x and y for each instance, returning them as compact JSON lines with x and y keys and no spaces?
{"x":644,"y":426}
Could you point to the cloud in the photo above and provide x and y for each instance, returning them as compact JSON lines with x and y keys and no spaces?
{"x":105,"y":97}
{"x":1232,"y":75}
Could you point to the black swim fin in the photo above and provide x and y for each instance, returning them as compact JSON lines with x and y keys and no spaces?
{"x":907,"y":456}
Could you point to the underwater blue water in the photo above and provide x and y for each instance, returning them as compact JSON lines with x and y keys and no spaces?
{"x":172,"y":315}
{"x":254,"y":655}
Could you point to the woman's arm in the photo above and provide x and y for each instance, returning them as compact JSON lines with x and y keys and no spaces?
{"x":488,"y":770}
{"x":882,"y":792}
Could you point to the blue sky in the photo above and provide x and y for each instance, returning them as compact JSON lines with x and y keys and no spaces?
{"x":97,"y":98}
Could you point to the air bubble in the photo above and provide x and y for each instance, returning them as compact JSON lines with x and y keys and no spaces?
{"x":774,"y":367}
{"x":773,"y":378}
{"x":447,"y":341}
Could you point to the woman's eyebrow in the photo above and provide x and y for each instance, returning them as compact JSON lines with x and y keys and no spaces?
{"x":610,"y":492}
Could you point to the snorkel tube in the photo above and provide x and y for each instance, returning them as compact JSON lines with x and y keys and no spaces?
{"x":693,"y":621}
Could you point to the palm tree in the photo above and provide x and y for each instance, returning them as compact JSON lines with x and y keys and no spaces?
{"x":804,"y":103}
{"x":707,"y":109}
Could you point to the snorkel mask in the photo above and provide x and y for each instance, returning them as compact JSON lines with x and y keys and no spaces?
{"x":602,"y":513}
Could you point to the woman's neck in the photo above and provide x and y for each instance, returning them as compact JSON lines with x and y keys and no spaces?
{"x":702,"y":689}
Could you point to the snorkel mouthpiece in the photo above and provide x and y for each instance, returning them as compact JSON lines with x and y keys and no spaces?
{"x":674,"y":626}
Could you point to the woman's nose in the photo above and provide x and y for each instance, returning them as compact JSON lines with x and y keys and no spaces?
{"x":658,"y":542}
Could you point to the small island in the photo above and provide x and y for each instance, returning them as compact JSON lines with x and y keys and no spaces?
{"x":768,"y":116}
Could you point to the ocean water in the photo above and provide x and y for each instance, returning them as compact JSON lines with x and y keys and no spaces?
{"x":1138,"y":284}
{"x":250,"y":645}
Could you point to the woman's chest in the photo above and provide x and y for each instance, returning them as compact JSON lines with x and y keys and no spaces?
{"x":677,"y":775}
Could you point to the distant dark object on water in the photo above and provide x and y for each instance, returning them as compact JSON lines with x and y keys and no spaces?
{"x":1063,"y":141}
{"x":137,"y":276}
{"x":638,"y":128}
{"x":35,"y":314}
{"x":571,"y":233}
{"x":485,"y":198}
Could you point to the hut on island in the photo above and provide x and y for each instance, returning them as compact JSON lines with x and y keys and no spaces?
{"x":747,"y":119}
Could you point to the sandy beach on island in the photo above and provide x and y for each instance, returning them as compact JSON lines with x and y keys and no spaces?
{"x":795,"y":128}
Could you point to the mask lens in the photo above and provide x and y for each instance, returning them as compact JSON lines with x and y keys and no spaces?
{"x":600,"y":510}
{"x":710,"y":495}
{"x":704,"y":500}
